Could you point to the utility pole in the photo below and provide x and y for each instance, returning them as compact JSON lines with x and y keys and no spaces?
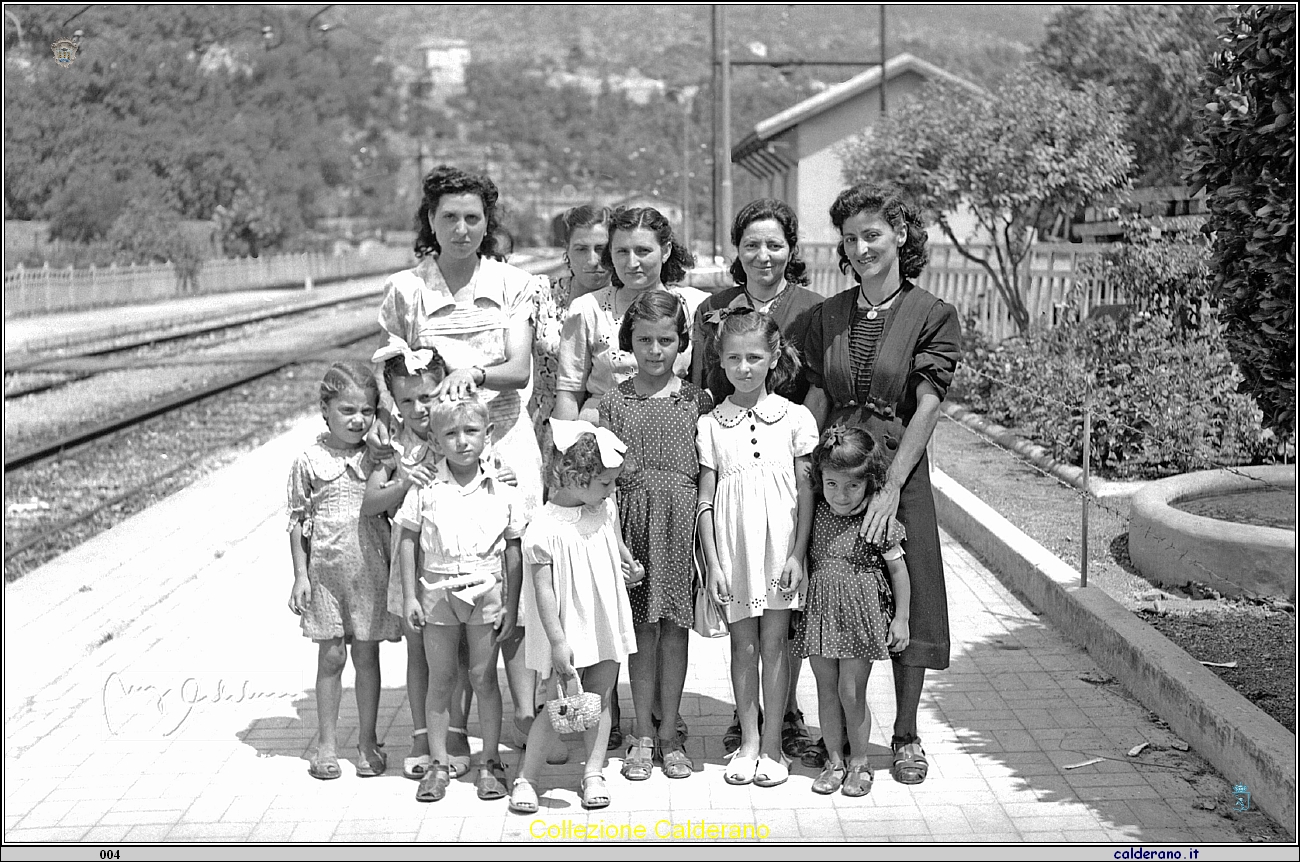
{"x":724,"y":224}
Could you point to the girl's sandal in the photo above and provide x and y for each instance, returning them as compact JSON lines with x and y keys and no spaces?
{"x":910,"y":765}
{"x":771,"y":772}
{"x":371,"y":763}
{"x":491,"y":782}
{"x":433,"y":786}
{"x":639,"y":761}
{"x":595,"y":792}
{"x":676,"y":762}
{"x":830,"y":780}
{"x":858,"y":781}
{"x":523,"y":797}
{"x":458,"y":764}
{"x":416,"y":765}
{"x":324,"y":767}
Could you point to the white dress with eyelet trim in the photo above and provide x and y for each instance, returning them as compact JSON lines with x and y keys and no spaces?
{"x":756,"y":500}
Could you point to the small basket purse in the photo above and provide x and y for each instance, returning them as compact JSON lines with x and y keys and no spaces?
{"x":571,"y":713}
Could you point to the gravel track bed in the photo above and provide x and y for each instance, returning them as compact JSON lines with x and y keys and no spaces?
{"x":152,"y":460}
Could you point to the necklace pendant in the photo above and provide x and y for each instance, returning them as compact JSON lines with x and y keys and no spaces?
{"x":871,"y":314}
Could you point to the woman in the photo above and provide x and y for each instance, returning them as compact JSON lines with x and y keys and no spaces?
{"x":881,"y":357}
{"x":770,"y":276}
{"x":462,"y":299}
{"x":586,"y":234}
{"x":643,"y":255}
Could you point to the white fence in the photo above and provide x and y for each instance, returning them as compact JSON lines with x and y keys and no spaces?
{"x":38,"y":291}
{"x":967,"y":285}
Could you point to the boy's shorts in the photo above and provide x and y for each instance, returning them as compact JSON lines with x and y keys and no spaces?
{"x":441,"y":608}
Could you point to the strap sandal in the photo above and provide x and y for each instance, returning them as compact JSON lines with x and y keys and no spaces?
{"x":523,"y":797}
{"x":371,"y":763}
{"x":615,"y":737}
{"x":433,"y":786}
{"x":676,"y":762}
{"x":458,"y":764}
{"x":830,"y":779}
{"x":815,"y":756}
{"x":416,"y":765}
{"x":324,"y":767}
{"x":858,"y":781}
{"x":491,"y":783}
{"x":639,"y":761}
{"x":794,"y":734}
{"x":595,"y":792}
{"x":910,"y":764}
{"x":771,"y":773}
{"x":741,"y":769}
{"x":732,"y":738}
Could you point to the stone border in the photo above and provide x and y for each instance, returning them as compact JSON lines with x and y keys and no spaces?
{"x":1242,"y":742}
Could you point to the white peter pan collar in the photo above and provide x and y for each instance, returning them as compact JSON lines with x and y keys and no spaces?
{"x":770,"y":410}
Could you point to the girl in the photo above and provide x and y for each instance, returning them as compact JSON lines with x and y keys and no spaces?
{"x":655,"y":414}
{"x":642,"y":255}
{"x":846,"y":622}
{"x":579,"y":621}
{"x":755,"y":506}
{"x":340,"y":564}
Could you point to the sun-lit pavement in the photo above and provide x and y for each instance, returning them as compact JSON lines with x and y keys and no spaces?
{"x":190,"y":721}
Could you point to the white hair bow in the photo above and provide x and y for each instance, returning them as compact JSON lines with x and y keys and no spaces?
{"x":416,"y":360}
{"x":567,"y":431}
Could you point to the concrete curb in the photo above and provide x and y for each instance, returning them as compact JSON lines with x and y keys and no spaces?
{"x":1245,"y":744}
{"x":1037,"y":455}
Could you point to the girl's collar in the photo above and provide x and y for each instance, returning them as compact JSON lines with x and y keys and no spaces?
{"x":770,"y":410}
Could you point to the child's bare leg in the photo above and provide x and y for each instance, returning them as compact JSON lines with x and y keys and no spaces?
{"x":744,"y":683}
{"x":417,"y":687}
{"x":483,"y":678}
{"x":462,"y":694}
{"x":441,"y":653}
{"x":830,"y":715}
{"x":331,"y":658}
{"x":642,"y":670}
{"x":599,"y":679}
{"x":774,"y":631}
{"x":541,"y":736}
{"x":365,"y":661}
{"x":521,"y":681}
{"x":854,"y":674}
{"x":673,"y":647}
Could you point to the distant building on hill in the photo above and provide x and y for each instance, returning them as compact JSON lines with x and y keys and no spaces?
{"x":794,"y":152}
{"x":444,"y":65}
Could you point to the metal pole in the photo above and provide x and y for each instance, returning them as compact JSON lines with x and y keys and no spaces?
{"x":882,"y":58}
{"x":726,"y":123}
{"x":713,"y":57}
{"x":686,"y":170}
{"x":1087,"y":451}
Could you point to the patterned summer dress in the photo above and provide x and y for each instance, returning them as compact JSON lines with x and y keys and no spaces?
{"x":657,"y":494}
{"x":347,"y":558}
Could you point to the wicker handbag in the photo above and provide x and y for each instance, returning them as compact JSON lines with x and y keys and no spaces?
{"x":571,"y":713}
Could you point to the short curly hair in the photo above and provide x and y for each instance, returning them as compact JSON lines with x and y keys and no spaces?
{"x":893,"y":208}
{"x":847,"y":449}
{"x":679,"y":258}
{"x":446,"y":180}
{"x":655,"y":305}
{"x":763,"y":209}
{"x":577,"y":465}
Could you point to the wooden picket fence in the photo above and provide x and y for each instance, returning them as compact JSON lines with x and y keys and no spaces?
{"x":967,"y":285}
{"x":39,"y":291}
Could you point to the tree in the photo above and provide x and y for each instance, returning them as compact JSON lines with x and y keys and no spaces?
{"x":1244,"y":157}
{"x":1152,"y":55}
{"x":1032,"y":148}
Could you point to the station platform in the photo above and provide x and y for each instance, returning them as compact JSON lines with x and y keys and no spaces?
{"x":158,"y":689}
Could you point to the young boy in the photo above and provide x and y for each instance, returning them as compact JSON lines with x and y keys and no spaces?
{"x":468,"y":524}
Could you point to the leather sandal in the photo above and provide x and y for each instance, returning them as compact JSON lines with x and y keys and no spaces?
{"x":433,"y":786}
{"x":676,"y":762}
{"x":910,"y":765}
{"x":416,"y":765}
{"x":794,"y":734}
{"x":770,"y":772}
{"x":458,"y":764}
{"x":523,"y":797}
{"x":858,"y":781}
{"x":639,"y":761}
{"x":831,"y":778}
{"x":491,"y":782}
{"x":595,"y":792}
{"x":371,"y":763}
{"x":324,"y":768}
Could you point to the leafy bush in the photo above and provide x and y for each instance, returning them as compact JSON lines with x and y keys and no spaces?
{"x":1160,"y":404}
{"x":1245,"y":159}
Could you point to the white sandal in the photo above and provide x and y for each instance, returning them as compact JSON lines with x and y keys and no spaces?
{"x":458,"y":764}
{"x":415,"y":766}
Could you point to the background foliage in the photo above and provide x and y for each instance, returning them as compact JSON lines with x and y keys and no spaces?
{"x":1245,"y":159}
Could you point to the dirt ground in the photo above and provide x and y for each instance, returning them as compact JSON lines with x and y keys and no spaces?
{"x":1259,"y":638}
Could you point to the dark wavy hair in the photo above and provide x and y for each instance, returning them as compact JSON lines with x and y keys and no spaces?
{"x":851,"y":450}
{"x":785,"y":356}
{"x":446,"y":180}
{"x":796,"y":271}
{"x":893,"y":208}
{"x":634,"y":218}
{"x":655,"y":305}
{"x":587,"y":215}
{"x":342,"y":376}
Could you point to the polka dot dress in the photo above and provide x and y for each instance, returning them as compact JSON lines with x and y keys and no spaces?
{"x":849,"y":603}
{"x":657,"y":494}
